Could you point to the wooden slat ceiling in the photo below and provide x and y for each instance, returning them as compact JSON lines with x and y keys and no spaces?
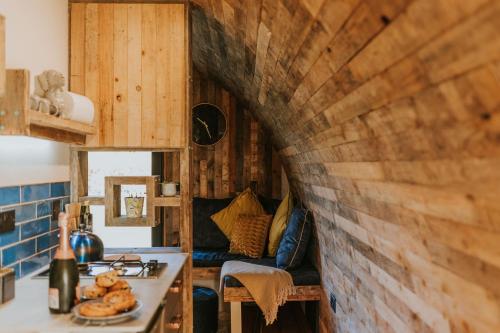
{"x":386,"y":115}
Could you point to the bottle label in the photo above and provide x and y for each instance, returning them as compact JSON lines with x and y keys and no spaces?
{"x":54,"y":298}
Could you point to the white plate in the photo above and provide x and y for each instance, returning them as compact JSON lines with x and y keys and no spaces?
{"x":121,"y":317}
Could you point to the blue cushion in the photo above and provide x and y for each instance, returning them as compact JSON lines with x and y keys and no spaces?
{"x":213,"y":258}
{"x":206,"y":234}
{"x":293,"y":244}
{"x":305,"y":275}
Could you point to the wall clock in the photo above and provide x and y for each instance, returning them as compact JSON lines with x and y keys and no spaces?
{"x":209,"y":124}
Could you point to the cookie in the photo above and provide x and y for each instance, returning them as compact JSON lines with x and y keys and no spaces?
{"x":120,"y":285}
{"x":97,"y":309}
{"x":121,"y":300}
{"x":94,"y":291}
{"x":107,"y":279}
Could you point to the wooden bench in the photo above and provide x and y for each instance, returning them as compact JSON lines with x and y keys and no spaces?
{"x":237,"y":295}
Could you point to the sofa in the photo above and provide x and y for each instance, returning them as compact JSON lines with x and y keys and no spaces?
{"x":211,"y":246}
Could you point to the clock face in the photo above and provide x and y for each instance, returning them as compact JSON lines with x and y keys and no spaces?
{"x":209,"y":124}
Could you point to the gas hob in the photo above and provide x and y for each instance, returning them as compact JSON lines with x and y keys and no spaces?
{"x":133,"y":269}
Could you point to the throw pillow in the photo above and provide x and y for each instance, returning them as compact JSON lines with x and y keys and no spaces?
{"x":246,"y":203}
{"x":293,"y":245}
{"x":206,"y":234}
{"x":249,"y":235}
{"x":279,"y":224}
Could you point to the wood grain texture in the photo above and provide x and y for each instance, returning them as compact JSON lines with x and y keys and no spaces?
{"x":130,"y":60}
{"x":216,"y":172}
{"x":385,"y":115}
{"x":301,"y":293}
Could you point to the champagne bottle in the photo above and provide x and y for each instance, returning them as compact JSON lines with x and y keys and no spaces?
{"x":64,"y":281}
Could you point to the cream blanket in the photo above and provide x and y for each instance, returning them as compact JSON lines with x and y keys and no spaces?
{"x":269,"y":286}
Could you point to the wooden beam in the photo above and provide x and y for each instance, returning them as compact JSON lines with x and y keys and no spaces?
{"x":78,"y":174}
{"x":45,"y":120}
{"x":93,"y":201}
{"x":167,"y":201}
{"x":206,"y":273}
{"x":186,"y":173}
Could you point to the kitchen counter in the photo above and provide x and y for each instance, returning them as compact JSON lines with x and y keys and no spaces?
{"x":29,"y":312}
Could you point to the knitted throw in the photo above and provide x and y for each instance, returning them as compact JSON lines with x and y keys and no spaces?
{"x":269,"y":286}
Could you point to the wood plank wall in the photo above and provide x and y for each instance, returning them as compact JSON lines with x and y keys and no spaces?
{"x":243,"y":158}
{"x":130,"y":60}
{"x":386,"y":115}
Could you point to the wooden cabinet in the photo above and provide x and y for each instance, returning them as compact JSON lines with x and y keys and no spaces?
{"x":169,"y":316}
{"x":131,"y":61}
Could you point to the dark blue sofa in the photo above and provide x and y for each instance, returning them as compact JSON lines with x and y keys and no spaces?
{"x":211,"y":245}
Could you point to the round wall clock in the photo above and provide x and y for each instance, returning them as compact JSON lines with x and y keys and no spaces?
{"x":209,"y":124}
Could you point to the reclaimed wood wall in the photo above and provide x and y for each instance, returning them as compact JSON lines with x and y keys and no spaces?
{"x":386,"y":115}
{"x":130,"y":60}
{"x":243,"y":158}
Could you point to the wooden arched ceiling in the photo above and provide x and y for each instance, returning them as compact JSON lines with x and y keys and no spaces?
{"x":386,"y":114}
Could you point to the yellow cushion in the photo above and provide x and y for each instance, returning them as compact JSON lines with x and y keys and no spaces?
{"x":250,"y":234}
{"x":244,"y":204}
{"x":279,"y":223}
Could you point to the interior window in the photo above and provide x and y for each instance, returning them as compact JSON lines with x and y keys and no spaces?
{"x":103,"y":164}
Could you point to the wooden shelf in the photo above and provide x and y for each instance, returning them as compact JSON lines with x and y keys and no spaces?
{"x":124,"y":221}
{"x":157,"y":201}
{"x":167,"y":201}
{"x":45,"y":120}
{"x":93,"y":201}
{"x":16,"y":118}
{"x":112,"y":201}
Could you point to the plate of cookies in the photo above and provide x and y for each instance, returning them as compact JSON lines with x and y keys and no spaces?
{"x":110,"y":300}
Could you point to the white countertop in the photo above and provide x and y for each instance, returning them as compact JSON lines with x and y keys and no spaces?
{"x":28,"y":312}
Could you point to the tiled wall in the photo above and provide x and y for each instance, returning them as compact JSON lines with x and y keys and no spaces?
{"x":31,"y":245}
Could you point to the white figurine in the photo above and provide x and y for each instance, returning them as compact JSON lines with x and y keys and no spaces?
{"x":49,"y":95}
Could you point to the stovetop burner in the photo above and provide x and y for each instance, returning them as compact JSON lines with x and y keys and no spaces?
{"x":126,"y":269}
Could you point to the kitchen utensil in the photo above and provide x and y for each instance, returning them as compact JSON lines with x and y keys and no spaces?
{"x":123,"y":257}
{"x":134,"y":206}
{"x":169,"y":189}
{"x":73,"y":212}
{"x":86,"y":245}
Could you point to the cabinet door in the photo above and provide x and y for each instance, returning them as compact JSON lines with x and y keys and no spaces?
{"x":130,"y":60}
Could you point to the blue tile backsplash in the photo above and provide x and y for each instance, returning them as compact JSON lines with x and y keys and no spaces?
{"x":59,"y":189}
{"x":31,"y":245}
{"x":35,"y":192}
{"x":9,"y":195}
{"x":25,"y":212}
